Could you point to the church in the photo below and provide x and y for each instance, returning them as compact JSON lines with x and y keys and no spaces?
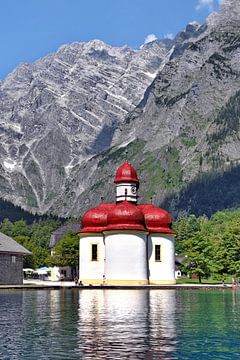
{"x":126,"y":243}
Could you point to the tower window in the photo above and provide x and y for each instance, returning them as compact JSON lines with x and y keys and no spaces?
{"x":157,"y":252}
{"x":94,"y":252}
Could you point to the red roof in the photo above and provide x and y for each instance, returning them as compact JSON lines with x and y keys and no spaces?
{"x":126,"y":173}
{"x":126,"y":216}
{"x":95,"y":219}
{"x":157,"y":220}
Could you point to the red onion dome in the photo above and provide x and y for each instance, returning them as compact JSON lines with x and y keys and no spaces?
{"x":125,"y":216}
{"x":156,"y":219}
{"x":126,"y":173}
{"x":95,"y":219}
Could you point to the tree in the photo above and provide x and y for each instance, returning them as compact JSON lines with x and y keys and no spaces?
{"x":39,"y":254}
{"x":34,"y":237}
{"x":20,"y":228}
{"x":66,"y":252}
{"x":199,"y":252}
{"x":7,"y":227}
{"x":41,"y":231}
{"x":185,"y":227}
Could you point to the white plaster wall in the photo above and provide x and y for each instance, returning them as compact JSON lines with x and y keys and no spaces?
{"x":121,"y":192}
{"x":126,"y":257}
{"x":89,"y":269}
{"x":55,"y":273}
{"x":164,"y":269}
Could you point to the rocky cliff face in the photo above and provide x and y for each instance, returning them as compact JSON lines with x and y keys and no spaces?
{"x":184,"y":134}
{"x":68,"y":119}
{"x":64,"y":109}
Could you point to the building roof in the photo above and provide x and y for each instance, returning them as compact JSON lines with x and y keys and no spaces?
{"x":179,"y":260}
{"x":125,"y":215}
{"x":58,"y":234}
{"x":156,"y":219}
{"x":8,"y":245}
{"x":95,"y":219}
{"x":126,"y":173}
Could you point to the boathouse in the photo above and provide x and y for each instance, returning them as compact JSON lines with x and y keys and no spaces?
{"x":11,"y":261}
{"x":126,"y":243}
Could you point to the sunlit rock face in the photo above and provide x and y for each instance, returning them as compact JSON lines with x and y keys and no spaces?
{"x":64,"y":109}
{"x":186,"y":128}
{"x":68,"y":119}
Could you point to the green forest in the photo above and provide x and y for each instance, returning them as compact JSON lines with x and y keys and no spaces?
{"x":211,"y":245}
{"x":35,"y":237}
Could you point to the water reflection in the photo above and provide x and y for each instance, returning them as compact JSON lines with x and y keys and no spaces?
{"x":209,"y":325}
{"x":9,"y":326}
{"x":119,"y":324}
{"x":38,"y":325}
{"x":127,"y":324}
{"x":162,"y":319}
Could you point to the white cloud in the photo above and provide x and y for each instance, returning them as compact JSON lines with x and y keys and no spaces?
{"x":149,"y":38}
{"x":202,"y":4}
{"x":169,"y":36}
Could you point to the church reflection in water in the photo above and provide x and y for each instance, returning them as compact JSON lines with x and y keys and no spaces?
{"x":127,"y":324}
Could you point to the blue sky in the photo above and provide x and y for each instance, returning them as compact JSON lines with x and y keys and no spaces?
{"x":30,"y":29}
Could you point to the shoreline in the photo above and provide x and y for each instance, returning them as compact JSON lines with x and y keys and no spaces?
{"x":49,"y":285}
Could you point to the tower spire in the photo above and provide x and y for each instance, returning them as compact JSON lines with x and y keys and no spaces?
{"x":127,"y":183}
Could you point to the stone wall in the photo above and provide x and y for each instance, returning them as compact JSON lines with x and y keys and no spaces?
{"x":11,"y":269}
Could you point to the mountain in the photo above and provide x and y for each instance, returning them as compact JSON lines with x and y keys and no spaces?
{"x":64,"y":109}
{"x":183,"y":137}
{"x":189,"y":123}
{"x":68,"y":120}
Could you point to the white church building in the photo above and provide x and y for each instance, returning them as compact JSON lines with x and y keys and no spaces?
{"x":126,"y":243}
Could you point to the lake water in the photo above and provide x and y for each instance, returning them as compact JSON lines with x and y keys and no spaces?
{"x":119,"y":324}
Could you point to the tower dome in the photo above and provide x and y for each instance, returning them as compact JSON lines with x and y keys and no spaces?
{"x":127,"y":183}
{"x":126,"y":173}
{"x":95,"y":219}
{"x":125,"y":216}
{"x":157,"y":220}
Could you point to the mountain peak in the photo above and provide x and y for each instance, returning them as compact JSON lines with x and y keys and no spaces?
{"x":229,"y":13}
{"x":71,"y":101}
{"x":68,"y":118}
{"x":99,"y":44}
{"x":230,"y":9}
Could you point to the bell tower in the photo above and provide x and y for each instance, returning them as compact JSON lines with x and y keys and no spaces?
{"x":127,"y":183}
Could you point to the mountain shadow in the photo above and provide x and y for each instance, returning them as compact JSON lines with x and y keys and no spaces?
{"x":207,"y":194}
{"x":103,"y":140}
{"x":15,"y":213}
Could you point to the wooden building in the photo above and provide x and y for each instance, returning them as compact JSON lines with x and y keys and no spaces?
{"x":11,"y":261}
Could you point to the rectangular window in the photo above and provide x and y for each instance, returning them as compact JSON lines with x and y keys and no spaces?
{"x":13,"y":259}
{"x":94,"y":252}
{"x":157,"y":252}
